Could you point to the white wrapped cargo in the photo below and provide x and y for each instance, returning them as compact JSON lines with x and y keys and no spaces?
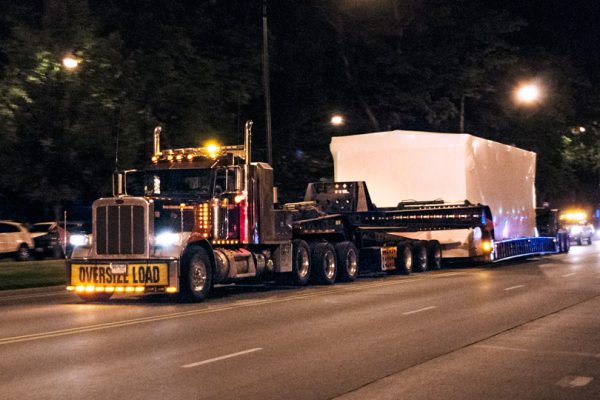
{"x":408,"y":165}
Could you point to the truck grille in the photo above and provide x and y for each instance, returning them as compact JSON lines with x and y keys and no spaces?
{"x":120,"y":229}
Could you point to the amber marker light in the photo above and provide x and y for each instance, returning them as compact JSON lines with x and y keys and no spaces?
{"x":487,"y":246}
{"x":171,"y":289}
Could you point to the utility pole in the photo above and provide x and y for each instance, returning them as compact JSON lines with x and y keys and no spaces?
{"x":266,"y":83}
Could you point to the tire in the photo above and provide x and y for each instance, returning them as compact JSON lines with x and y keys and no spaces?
{"x":347,"y":261}
{"x":324,"y":263}
{"x":301,"y":268}
{"x":94,"y":297}
{"x":404,"y":259}
{"x":420,"y":257}
{"x":567,"y":244}
{"x":22,"y":253}
{"x":579,"y":241}
{"x":590,"y":240}
{"x":196,"y":276}
{"x":434,"y":255}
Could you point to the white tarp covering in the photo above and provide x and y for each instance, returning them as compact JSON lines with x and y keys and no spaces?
{"x":403,"y":165}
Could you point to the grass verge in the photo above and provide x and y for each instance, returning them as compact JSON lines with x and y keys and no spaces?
{"x":29,"y":274}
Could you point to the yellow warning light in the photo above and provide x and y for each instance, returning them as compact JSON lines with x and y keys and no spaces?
{"x":80,"y":289}
{"x":487,"y":246}
{"x":70,"y":288}
{"x":179,"y":157}
{"x":154,"y":159}
{"x":574,"y":216}
{"x":89,"y":289}
{"x":190,"y":157}
{"x":171,"y":289}
{"x":109,"y":289}
{"x":170,"y":157}
{"x":119,"y":289}
{"x":129,"y":289}
{"x":139,"y":289}
{"x":238,"y":199}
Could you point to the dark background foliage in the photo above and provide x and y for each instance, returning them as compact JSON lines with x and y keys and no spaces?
{"x":194,"y":67}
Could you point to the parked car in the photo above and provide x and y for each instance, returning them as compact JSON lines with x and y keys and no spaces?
{"x":46,"y":239}
{"x":15,"y":240}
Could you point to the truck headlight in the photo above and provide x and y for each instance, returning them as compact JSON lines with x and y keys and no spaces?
{"x":79,"y":240}
{"x":575,"y":230}
{"x":166,"y":239}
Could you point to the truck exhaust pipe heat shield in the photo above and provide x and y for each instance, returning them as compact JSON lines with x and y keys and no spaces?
{"x":157,"y":131}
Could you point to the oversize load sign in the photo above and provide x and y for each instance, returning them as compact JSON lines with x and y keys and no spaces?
{"x":152,"y":274}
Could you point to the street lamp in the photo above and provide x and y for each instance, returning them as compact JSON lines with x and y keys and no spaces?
{"x":528,"y":93}
{"x":337,"y":120}
{"x":70,"y":62}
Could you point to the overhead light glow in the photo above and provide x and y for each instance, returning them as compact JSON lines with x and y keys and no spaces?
{"x":337,"y":120}
{"x":528,"y":93}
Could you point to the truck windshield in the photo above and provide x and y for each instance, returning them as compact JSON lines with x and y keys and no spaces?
{"x":180,"y":182}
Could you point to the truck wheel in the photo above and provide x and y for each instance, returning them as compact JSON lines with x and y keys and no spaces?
{"x":347,"y":261}
{"x":404,"y":259}
{"x":300,"y":263}
{"x":579,"y":241}
{"x":197,"y":274}
{"x":420,"y":257}
{"x":324,"y":263}
{"x":22,"y":253}
{"x":434,"y":255}
{"x":94,"y":297}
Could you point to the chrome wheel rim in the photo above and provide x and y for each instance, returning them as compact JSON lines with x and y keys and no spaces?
{"x":329,"y":265}
{"x":407,"y":260}
{"x":352,"y":263}
{"x":423,"y":258}
{"x":198,"y":276}
{"x":304,"y":263}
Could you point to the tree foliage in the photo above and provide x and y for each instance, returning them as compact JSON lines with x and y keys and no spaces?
{"x":194,"y":68}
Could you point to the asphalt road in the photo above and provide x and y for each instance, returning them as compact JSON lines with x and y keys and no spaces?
{"x":527,"y":330}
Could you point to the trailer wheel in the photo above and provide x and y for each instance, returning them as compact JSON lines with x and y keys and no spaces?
{"x":434,"y":251}
{"x":404,"y":259}
{"x":567,"y":243}
{"x":420,"y":257}
{"x":347,"y":261}
{"x":94,"y":297}
{"x":197,"y":275}
{"x":301,"y":267}
{"x":324,"y":263}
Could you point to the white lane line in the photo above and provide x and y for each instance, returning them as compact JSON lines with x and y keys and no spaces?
{"x":574,"y":381}
{"x":513,"y":287}
{"x":32,"y":296}
{"x":567,"y":275}
{"x":419,"y":310}
{"x":212,"y":360}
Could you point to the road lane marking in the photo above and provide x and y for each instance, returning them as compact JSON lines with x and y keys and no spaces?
{"x":419,"y":310}
{"x":211,"y":309}
{"x":574,"y":381}
{"x":550,"y":352}
{"x":212,"y":360}
{"x":567,"y":275}
{"x":33,"y":296}
{"x":514,"y":287}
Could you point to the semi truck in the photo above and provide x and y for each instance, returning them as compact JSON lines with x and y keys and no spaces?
{"x":439,"y":170}
{"x":204,"y":216}
{"x":197,"y":217}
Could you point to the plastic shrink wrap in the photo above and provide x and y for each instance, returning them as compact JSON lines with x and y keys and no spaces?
{"x":408,"y":165}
